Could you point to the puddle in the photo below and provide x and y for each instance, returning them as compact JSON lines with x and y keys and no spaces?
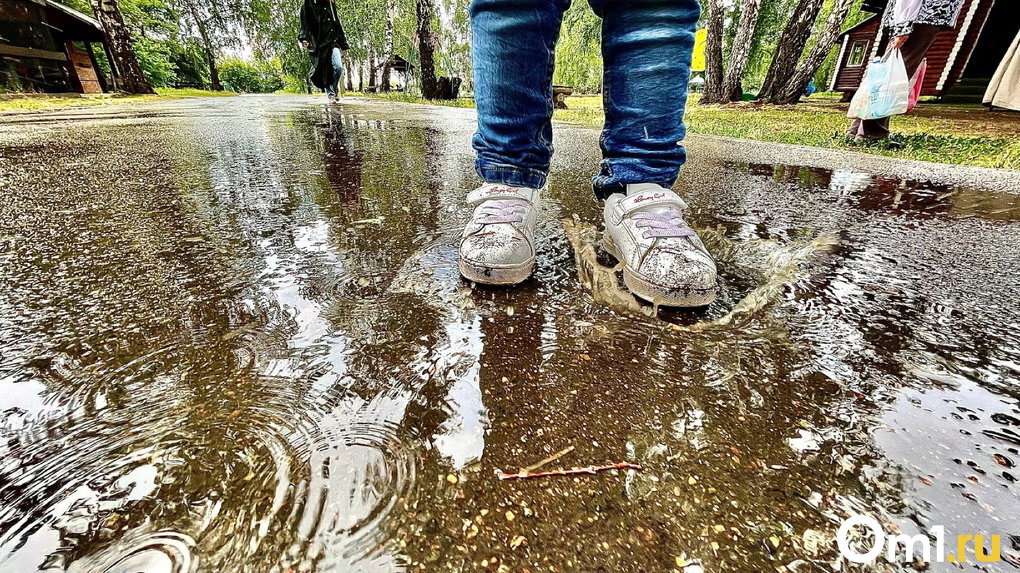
{"x":247,"y":348}
{"x":893,"y":195}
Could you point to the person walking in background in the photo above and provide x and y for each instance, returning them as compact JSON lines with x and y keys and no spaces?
{"x":646,"y":49}
{"x":912,"y":26}
{"x":323,"y":36}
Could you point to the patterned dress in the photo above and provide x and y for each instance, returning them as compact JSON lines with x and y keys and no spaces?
{"x":941,"y":13}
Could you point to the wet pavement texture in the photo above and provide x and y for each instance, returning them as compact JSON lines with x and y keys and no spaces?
{"x":233,"y":338}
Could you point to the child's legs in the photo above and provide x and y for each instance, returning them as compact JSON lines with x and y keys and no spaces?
{"x":513,"y":44}
{"x":646,"y":49}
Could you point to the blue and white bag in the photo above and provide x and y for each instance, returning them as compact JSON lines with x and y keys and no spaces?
{"x":884,"y":89}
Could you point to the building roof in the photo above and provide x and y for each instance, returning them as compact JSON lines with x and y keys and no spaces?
{"x":75,"y":15}
{"x":400,"y":64}
{"x":861,"y":24}
{"x":75,"y":25}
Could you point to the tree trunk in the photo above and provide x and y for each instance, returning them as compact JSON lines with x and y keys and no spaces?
{"x":426,"y":49}
{"x":794,"y":88}
{"x":349,"y":72}
{"x":214,"y":71}
{"x":391,"y":14}
{"x":372,"y":68}
{"x":361,"y":77}
{"x":207,"y":47}
{"x":790,"y":47}
{"x":713,"y":54}
{"x":733,"y":89}
{"x":122,"y":53}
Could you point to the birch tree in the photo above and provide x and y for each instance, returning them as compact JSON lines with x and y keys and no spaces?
{"x":713,"y":92}
{"x":740,"y":50}
{"x":425,"y":9}
{"x":391,"y":16}
{"x":130,"y":77}
{"x":788,"y":90}
{"x":795,"y":85}
{"x":203,"y":21}
{"x":789,"y":48}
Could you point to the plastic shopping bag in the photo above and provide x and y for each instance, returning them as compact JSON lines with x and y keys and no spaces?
{"x":884,"y":90}
{"x":916,"y":83}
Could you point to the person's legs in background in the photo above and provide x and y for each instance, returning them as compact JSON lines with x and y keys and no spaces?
{"x":333,"y":91}
{"x":513,"y":51}
{"x":913,"y":51}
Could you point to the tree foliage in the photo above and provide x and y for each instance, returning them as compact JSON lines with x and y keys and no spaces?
{"x":247,"y":77}
{"x":578,"y":52}
{"x":183,"y":42}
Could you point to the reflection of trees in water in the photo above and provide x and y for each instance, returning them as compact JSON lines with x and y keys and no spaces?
{"x":144,"y":336}
{"x":912,"y":292}
{"x":241,"y":375}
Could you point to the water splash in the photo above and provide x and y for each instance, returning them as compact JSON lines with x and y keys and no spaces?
{"x":771,"y":266}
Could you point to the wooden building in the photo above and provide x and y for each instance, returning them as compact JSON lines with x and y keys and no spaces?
{"x":47,"y":47}
{"x":960,"y":62}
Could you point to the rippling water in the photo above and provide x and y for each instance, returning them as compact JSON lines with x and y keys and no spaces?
{"x":233,"y":338}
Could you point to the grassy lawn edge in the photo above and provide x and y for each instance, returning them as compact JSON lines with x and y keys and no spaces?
{"x":13,"y":103}
{"x":955,"y":135}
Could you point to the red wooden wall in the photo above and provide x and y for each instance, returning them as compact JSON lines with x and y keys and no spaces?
{"x":848,"y":78}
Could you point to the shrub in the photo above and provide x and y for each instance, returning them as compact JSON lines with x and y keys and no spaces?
{"x":246,"y":77}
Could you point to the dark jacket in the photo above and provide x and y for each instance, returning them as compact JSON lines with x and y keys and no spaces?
{"x":321,"y":28}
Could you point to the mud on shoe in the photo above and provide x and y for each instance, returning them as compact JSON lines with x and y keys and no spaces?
{"x":664,"y":261}
{"x":498,"y":244}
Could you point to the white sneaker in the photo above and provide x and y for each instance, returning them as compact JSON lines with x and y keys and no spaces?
{"x":664,"y":260}
{"x":498,"y":245}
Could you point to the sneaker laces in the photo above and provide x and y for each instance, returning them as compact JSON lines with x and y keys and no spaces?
{"x":502,"y":211}
{"x":667,"y":223}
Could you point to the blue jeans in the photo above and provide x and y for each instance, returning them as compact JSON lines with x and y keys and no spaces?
{"x":646,"y":50}
{"x":338,"y":73}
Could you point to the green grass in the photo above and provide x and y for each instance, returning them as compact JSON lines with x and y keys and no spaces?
{"x":960,"y":135}
{"x":954,"y":134}
{"x":401,"y":97}
{"x":190,"y":92}
{"x":21,"y":102}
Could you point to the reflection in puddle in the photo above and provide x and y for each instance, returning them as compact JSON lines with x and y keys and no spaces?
{"x":163,"y":552}
{"x":892,"y":195}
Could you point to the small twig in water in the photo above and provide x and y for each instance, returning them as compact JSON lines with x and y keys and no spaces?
{"x":588,"y":470}
{"x":549,"y":460}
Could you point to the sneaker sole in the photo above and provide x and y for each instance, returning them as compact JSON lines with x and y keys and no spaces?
{"x":654,"y":293}
{"x":509,"y":275}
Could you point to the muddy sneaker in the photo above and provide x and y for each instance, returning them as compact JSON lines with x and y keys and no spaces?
{"x":664,"y":260}
{"x":498,"y":245}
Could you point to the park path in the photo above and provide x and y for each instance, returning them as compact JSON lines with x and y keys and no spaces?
{"x":233,"y":338}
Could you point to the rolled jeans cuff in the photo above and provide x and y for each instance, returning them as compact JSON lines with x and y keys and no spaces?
{"x":510,"y":175}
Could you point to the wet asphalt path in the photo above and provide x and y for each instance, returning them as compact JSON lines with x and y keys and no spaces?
{"x":233,"y":338}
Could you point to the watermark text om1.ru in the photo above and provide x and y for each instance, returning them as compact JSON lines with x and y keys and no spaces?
{"x":912,"y":547}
